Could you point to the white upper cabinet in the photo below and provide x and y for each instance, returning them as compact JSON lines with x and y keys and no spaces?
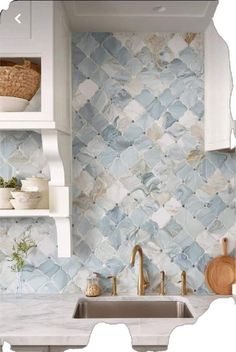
{"x":218,"y":86}
{"x":38,"y":30}
{"x":43,"y":36}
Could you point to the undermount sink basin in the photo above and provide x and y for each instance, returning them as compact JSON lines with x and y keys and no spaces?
{"x":87,"y":309}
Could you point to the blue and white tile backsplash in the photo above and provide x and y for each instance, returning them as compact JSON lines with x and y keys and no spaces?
{"x":140,"y":172}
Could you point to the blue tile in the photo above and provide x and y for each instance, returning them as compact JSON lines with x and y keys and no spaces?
{"x":100,"y":77}
{"x":173,"y":228}
{"x":106,"y":158}
{"x":193,"y":252}
{"x":112,"y":45}
{"x":183,"y":193}
{"x":110,"y":133}
{"x":123,"y":56}
{"x":79,"y":77}
{"x":60,"y":279}
{"x":116,"y":215}
{"x":206,"y":169}
{"x":156,"y":109}
{"x":138,"y":217}
{"x":94,"y":264}
{"x":145,"y":56}
{"x":216,"y":205}
{"x":100,"y":36}
{"x":151,"y":227}
{"x":198,"y":109}
{"x":87,"y":67}
{"x":168,"y":120}
{"x":177,"y":67}
{"x":77,"y":55}
{"x":134,"y":66}
{"x":177,"y":109}
{"x":203,"y":261}
{"x":88,"y":111}
{"x":49,"y":268}
{"x":100,"y":56}
{"x":152,"y":157}
{"x":166,"y":98}
{"x":77,"y":36}
{"x":145,"y":98}
{"x":119,"y":144}
{"x":182,"y":261}
{"x":98,"y":122}
{"x":77,"y":145}
{"x":114,"y":265}
{"x":121,"y":98}
{"x":132,"y":132}
{"x":99,"y":100}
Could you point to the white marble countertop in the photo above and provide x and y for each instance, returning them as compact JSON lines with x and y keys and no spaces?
{"x":48,"y":320}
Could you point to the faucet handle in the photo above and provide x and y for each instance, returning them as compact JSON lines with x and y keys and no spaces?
{"x":114,"y":285}
{"x":146,"y":279}
{"x":162,"y":283}
{"x":184,"y":290}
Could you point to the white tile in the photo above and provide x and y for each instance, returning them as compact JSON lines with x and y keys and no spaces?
{"x":177,"y":44}
{"x":134,"y":110}
{"x":161,"y":217}
{"x":88,"y":88}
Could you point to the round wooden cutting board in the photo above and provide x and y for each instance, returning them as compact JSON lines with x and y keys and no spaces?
{"x":220,"y":272}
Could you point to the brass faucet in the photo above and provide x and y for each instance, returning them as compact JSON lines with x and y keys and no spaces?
{"x":183,"y":283}
{"x":162,"y":283}
{"x":114,"y":285}
{"x":142,"y":283}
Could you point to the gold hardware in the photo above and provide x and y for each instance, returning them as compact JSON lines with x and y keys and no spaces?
{"x":114,"y":285}
{"x":162,"y":283}
{"x":183,"y":283}
{"x":142,"y":283}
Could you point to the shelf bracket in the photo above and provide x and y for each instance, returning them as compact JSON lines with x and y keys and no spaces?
{"x":57,"y":150}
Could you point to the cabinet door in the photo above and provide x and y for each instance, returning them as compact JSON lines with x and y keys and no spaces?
{"x":30,"y":348}
{"x":16,"y":21}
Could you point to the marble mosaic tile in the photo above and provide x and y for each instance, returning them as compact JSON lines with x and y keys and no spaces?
{"x":139,"y":167}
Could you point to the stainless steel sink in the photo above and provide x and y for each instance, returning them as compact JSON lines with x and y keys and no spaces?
{"x":87,"y":309}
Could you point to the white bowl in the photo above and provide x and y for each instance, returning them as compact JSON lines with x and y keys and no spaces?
{"x":26,"y":204}
{"x":12,"y":104}
{"x":24,"y":195}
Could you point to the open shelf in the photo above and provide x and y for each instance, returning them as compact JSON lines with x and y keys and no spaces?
{"x":12,"y":213}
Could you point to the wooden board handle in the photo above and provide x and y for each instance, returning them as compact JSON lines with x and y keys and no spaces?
{"x":225,"y":245}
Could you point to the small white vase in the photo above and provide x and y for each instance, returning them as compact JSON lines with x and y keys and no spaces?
{"x":5,"y":196}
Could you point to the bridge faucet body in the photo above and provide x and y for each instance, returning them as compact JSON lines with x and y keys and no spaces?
{"x":142,"y":283}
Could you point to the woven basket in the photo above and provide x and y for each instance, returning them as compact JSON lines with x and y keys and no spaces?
{"x":20,"y":81}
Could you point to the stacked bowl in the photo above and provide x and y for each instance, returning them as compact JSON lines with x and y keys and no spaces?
{"x":25,"y":199}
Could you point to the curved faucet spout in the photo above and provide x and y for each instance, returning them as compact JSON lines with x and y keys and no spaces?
{"x":142,"y":283}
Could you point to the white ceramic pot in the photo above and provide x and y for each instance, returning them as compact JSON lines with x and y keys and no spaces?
{"x":23,"y":195}
{"x":12,"y":104}
{"x":37,"y":184}
{"x":5,"y":196}
{"x":24,"y":204}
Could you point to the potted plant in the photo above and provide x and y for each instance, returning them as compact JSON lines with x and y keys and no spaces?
{"x":5,"y":192}
{"x":20,"y":251}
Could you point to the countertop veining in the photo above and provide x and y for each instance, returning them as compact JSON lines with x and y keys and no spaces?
{"x":48,"y":320}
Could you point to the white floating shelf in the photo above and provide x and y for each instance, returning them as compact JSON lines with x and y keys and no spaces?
{"x":12,"y":213}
